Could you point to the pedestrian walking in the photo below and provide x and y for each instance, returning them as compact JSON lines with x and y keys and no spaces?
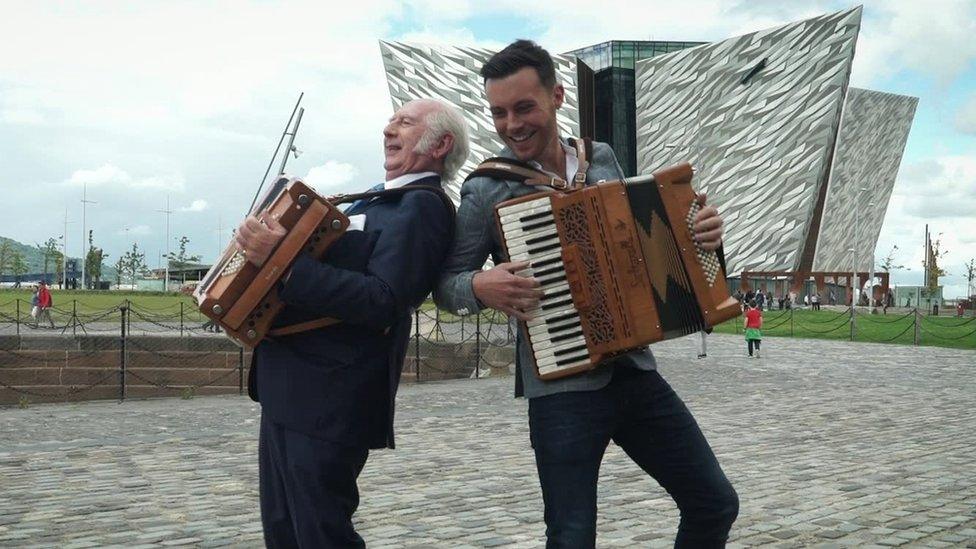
{"x":753,"y":328}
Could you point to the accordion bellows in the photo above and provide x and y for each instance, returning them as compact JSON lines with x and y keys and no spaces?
{"x":618,"y":266}
{"x":243,"y":298}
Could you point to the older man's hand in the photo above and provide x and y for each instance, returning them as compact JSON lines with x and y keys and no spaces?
{"x":257,"y":239}
{"x":707,"y":226}
{"x":500,"y":288}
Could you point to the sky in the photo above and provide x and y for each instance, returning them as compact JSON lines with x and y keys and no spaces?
{"x":133,"y":104}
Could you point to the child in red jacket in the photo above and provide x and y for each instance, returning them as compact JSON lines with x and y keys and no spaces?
{"x":753,"y":327}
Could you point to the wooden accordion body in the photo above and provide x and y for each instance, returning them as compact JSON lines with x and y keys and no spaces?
{"x":618,"y":267}
{"x":242,"y":298}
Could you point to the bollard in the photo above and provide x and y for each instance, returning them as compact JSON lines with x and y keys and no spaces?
{"x":74,"y":318}
{"x":181,"y":319}
{"x":18,"y":317}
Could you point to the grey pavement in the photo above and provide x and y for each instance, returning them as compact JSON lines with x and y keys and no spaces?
{"x":829,"y":444}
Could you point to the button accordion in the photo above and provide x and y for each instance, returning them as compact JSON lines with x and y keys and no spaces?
{"x":243,"y":298}
{"x":618,"y":266}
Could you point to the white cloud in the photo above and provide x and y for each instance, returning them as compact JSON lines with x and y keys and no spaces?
{"x":26,"y":116}
{"x":104,"y":175}
{"x":197,"y":206}
{"x":109,"y":174}
{"x":966,"y":118}
{"x":330,"y":176}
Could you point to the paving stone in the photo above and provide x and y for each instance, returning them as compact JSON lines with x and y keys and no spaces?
{"x":829,"y":444}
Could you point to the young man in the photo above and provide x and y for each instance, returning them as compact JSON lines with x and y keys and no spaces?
{"x":572,"y":420}
{"x":327,"y":395}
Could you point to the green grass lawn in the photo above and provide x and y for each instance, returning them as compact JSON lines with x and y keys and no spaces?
{"x":896,"y":328}
{"x":942,"y":331}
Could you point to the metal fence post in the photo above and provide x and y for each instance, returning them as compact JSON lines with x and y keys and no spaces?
{"x":18,"y":316}
{"x":477,"y":346}
{"x":853,"y":314}
{"x":122,"y":326}
{"x":416,"y":341}
{"x":74,"y":317}
{"x":915,"y":320}
{"x":240,"y":370}
{"x":181,"y":319}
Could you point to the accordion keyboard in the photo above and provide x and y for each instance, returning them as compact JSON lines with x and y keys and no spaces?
{"x":529,"y":231}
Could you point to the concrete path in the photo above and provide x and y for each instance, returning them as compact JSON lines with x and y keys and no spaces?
{"x":829,"y":444}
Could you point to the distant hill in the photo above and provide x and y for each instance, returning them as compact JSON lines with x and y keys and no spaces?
{"x":35,"y":259}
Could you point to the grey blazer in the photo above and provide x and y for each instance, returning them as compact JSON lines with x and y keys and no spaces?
{"x":477,"y":238}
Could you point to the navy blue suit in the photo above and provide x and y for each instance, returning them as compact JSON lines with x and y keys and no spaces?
{"x":327,"y":395}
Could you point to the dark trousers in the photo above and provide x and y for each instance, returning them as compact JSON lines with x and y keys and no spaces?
{"x":750,"y":342}
{"x":640,"y":412}
{"x":308,"y":489}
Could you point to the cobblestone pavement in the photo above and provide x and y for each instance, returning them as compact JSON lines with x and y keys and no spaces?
{"x":828,"y":443}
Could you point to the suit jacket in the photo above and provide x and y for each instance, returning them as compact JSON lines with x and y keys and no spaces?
{"x":339,"y":382}
{"x":477,"y":238}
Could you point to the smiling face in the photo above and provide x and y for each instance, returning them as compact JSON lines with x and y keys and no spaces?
{"x":400,"y":138}
{"x":524,"y":113}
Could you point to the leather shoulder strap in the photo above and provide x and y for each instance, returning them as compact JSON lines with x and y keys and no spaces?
{"x":510,"y":169}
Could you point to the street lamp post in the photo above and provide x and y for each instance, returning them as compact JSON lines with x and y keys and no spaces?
{"x":167,"y":211}
{"x":84,"y":203}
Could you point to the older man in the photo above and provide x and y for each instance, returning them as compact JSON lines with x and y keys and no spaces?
{"x":572,"y":420}
{"x":327,"y":395}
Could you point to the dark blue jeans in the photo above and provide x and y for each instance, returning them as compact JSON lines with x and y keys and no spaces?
{"x":640,"y":412}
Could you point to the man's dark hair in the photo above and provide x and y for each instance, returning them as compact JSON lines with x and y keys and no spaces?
{"x":752,"y":303}
{"x":517,"y":55}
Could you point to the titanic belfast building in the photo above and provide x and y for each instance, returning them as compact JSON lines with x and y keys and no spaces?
{"x":801,"y":164}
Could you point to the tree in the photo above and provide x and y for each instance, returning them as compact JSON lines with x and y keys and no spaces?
{"x":180,"y":261}
{"x":6,"y":255}
{"x":93,"y":262}
{"x":888,"y":263}
{"x":119,"y":267}
{"x":934,"y":271}
{"x":133,"y":263}
{"x":17,"y":265}
{"x":49,"y":250}
{"x":970,"y":276}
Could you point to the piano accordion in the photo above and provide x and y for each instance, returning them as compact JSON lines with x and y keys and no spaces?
{"x":243,"y":298}
{"x":618,"y":266}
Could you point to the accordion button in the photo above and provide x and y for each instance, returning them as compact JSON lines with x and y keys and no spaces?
{"x":218,"y":310}
{"x":251,"y":334}
{"x":336,"y":224}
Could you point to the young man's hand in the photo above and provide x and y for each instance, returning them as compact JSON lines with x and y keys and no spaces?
{"x":500,"y":288}
{"x":707,"y":226}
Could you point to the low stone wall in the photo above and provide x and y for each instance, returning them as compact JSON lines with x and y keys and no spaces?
{"x":65,"y":369}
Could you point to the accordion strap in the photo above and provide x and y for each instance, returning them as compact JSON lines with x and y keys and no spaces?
{"x":342,"y":199}
{"x":511,"y":169}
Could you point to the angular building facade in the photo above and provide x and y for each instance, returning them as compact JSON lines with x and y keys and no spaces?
{"x":757,"y":115}
{"x":614,"y":109}
{"x":451,"y":74}
{"x":873,"y":133}
{"x":778,"y":140}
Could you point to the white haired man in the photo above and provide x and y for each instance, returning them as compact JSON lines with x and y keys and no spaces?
{"x":327,"y":395}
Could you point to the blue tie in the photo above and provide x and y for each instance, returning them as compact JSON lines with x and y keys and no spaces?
{"x":360,"y":204}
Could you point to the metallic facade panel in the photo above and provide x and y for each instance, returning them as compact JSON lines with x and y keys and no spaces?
{"x":762,"y":147}
{"x":873,"y":133}
{"x":450,"y":73}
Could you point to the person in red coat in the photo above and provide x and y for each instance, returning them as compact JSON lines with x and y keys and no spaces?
{"x":44,"y":303}
{"x":753,"y":327}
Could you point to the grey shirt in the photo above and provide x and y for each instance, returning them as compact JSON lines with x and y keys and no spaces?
{"x":477,"y":238}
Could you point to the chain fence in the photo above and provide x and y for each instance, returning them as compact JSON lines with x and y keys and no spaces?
{"x":129,"y":350}
{"x":132,"y":350}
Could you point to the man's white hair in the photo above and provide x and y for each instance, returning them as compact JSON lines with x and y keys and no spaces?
{"x":444,"y":119}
